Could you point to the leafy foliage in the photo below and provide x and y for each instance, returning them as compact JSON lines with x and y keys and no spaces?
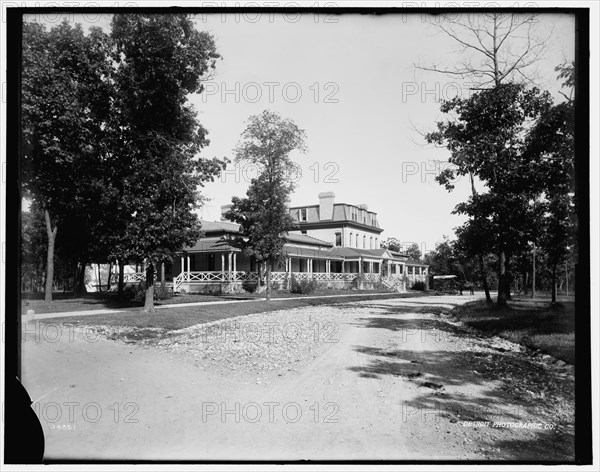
{"x":110,"y":143}
{"x":263,"y":215}
{"x":304,"y":287}
{"x":392,"y":244}
{"x":419,"y":285}
{"x":413,"y":252}
{"x":160,"y":60}
{"x":65,"y":104}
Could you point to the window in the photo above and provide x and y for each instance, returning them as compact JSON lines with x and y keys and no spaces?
{"x":364,"y":242}
{"x":371,"y":243}
{"x":351,"y":243}
{"x":376,"y":243}
{"x":303,"y":214}
{"x":338,"y":239}
{"x":357,"y":239}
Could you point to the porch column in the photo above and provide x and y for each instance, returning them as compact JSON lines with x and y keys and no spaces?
{"x":229,"y":258}
{"x":389,"y":266}
{"x":182,"y":265}
{"x":343,"y":270}
{"x":370,"y":267}
{"x":222,"y":263}
{"x":360,"y":267}
{"x":188,"y":268}
{"x":235,"y":261}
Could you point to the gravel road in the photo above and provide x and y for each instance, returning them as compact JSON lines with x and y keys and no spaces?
{"x":387,"y":379}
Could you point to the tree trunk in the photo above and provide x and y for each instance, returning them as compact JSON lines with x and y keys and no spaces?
{"x":507,"y":276}
{"x":486,"y":287}
{"x":554,"y":283}
{"x":502,"y":279}
{"x":109,"y":276}
{"x":149,"y":302}
{"x":80,"y":279}
{"x":51,"y":233}
{"x":526,"y":279}
{"x":259,"y":268}
{"x":163,"y":282}
{"x":121,"y":277}
{"x":533,"y":274}
{"x":269,"y":280}
{"x":99,"y":278}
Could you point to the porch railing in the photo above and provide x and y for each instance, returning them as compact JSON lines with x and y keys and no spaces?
{"x":240,"y":276}
{"x":393,"y":281}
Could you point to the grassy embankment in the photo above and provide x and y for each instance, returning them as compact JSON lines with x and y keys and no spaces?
{"x":550,"y":329}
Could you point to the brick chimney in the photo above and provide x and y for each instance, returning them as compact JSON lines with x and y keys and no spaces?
{"x":326,"y":205}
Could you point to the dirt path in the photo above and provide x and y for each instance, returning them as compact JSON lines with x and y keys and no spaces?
{"x":389,"y":379}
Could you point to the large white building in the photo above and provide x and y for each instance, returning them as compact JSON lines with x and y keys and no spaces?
{"x":336,"y":244}
{"x":340,"y":224}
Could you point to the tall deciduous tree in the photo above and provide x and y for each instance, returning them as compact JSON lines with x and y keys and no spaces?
{"x":263,"y":215}
{"x":160,"y":61}
{"x":552,"y":143}
{"x":64,"y":107}
{"x":496,"y":52}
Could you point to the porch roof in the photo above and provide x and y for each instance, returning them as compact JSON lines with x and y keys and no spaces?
{"x":310,"y":253}
{"x":220,"y":228}
{"x":214,"y":244}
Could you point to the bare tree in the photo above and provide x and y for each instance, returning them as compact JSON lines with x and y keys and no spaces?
{"x":493,"y":47}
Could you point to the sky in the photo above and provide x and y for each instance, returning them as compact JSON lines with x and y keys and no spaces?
{"x":350,"y":82}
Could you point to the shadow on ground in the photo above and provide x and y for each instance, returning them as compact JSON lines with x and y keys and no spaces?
{"x":500,"y":386}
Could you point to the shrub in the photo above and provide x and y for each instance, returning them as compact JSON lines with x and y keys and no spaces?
{"x":162,"y":292}
{"x":138,"y":292}
{"x":249,"y":286}
{"x":418,"y":285}
{"x":304,"y":287}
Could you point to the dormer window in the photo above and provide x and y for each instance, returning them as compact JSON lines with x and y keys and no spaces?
{"x":303,"y":214}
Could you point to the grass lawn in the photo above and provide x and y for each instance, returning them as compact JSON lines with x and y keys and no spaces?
{"x":63,"y":302}
{"x":178,"y":318}
{"x":551,"y":329}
